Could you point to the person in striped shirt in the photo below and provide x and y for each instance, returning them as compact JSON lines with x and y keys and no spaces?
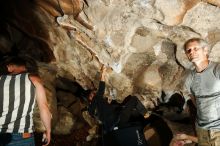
{"x":20,"y":86}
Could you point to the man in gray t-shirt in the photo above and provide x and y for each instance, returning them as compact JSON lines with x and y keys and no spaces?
{"x":203,"y":86}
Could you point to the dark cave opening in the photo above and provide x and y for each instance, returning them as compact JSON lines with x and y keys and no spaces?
{"x":22,"y":32}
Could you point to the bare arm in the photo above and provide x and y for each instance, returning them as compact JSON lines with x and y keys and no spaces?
{"x":43,"y":107}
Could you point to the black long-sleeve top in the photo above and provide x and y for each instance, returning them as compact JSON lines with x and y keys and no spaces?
{"x":107,"y":113}
{"x":111,"y":114}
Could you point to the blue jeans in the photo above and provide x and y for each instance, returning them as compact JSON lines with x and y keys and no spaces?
{"x":16,"y":139}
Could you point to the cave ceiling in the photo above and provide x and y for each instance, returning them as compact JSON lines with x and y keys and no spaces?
{"x":141,"y":40}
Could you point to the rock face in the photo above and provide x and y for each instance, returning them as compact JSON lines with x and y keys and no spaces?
{"x":141,"y":40}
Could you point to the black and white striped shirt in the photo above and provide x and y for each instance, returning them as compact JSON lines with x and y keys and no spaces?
{"x":17,"y":99}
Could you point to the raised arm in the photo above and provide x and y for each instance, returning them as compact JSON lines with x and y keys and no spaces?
{"x":101,"y":88}
{"x":97,"y":100}
{"x":43,"y":107}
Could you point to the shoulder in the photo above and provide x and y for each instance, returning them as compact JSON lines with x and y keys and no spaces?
{"x":214,"y":64}
{"x":35,"y":79}
{"x":189,"y":78}
{"x":216,"y":68}
{"x":190,"y":74}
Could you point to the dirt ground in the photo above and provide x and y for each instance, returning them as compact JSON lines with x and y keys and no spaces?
{"x":76,"y":138}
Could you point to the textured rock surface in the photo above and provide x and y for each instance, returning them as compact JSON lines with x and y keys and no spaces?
{"x":141,"y":40}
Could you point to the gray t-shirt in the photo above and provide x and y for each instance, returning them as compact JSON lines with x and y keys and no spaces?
{"x":205,"y":86}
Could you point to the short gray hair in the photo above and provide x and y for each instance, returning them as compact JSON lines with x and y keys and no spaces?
{"x":201,"y":42}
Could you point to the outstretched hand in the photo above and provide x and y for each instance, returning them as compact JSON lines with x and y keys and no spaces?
{"x":103,"y":72}
{"x":103,"y":68}
{"x":182,"y":139}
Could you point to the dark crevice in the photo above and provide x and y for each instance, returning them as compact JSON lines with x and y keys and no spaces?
{"x":24,"y":30}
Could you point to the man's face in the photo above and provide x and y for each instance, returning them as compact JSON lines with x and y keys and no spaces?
{"x":195,"y":52}
{"x":15,"y":69}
